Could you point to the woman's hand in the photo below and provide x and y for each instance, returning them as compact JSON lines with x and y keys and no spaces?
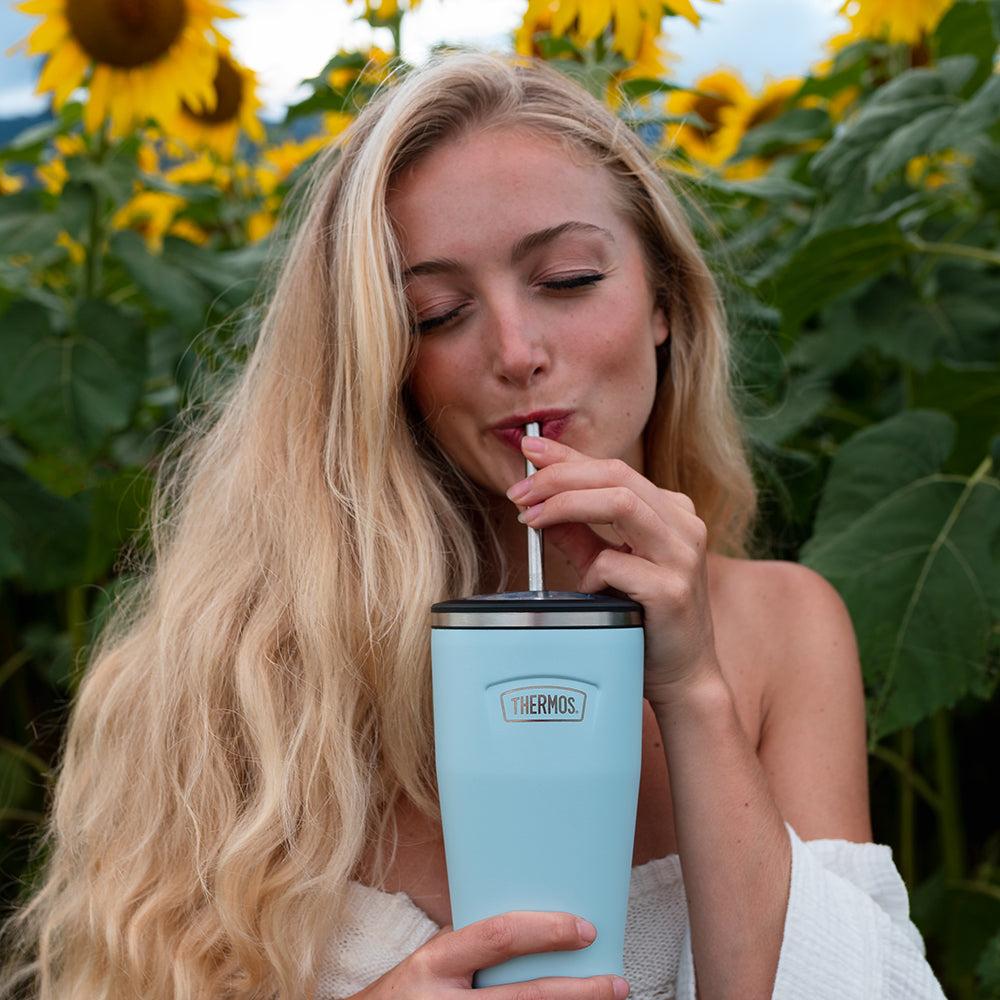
{"x":660,"y":563}
{"x":445,"y":964}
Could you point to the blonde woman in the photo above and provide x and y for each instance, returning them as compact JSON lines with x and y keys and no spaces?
{"x":246,"y":805}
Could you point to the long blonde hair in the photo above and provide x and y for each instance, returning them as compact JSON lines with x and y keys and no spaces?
{"x":262,"y":699}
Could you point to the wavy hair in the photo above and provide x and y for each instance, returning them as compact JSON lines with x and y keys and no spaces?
{"x":261,"y":700}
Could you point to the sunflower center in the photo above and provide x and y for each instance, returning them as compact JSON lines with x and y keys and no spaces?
{"x":708,"y":109}
{"x":126,"y":33}
{"x":228,"y":93}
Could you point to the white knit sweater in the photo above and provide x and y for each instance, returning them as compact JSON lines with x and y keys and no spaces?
{"x":848,"y":935}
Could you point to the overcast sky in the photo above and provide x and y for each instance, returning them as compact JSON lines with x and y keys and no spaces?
{"x":286,"y":41}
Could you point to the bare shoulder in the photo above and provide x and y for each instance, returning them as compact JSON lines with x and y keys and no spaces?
{"x":787,"y":646}
{"x":780,"y":610}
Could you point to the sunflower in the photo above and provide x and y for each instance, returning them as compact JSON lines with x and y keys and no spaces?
{"x":150,"y":213}
{"x":758,"y":109}
{"x":9,"y":183}
{"x":52,"y":171}
{"x":139,"y":60}
{"x":652,"y":60}
{"x":588,"y":19}
{"x":893,"y":20}
{"x":233,"y":109}
{"x":720,"y":101}
{"x":772,"y":102}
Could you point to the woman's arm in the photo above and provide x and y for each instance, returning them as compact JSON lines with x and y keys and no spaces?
{"x":731,"y":796}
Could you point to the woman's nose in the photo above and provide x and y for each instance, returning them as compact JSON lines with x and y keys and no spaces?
{"x":519,"y":353}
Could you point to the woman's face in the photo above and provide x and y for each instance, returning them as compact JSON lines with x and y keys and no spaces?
{"x":531,"y":302}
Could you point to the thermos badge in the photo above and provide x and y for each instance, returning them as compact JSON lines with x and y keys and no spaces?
{"x":543,"y":703}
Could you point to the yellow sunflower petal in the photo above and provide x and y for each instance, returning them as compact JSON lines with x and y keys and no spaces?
{"x":628,"y":28}
{"x":96,"y":109}
{"x":42,"y":8}
{"x":47,"y":37}
{"x":153,"y":93}
{"x":564,"y":15}
{"x":217,"y":10}
{"x":63,"y":73}
{"x":684,"y":8}
{"x":595,"y":15}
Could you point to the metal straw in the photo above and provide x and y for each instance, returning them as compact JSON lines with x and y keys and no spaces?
{"x":536,"y":571}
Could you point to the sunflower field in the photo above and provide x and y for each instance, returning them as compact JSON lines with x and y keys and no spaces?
{"x":852,"y":215}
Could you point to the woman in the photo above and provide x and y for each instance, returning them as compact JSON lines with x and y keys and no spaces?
{"x":247,"y":804}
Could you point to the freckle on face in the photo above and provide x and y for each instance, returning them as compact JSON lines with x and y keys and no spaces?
{"x":517,"y":348}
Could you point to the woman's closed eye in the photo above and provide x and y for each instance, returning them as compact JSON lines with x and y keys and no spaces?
{"x":555,"y":283}
{"x":571,"y":282}
{"x":428,"y":324}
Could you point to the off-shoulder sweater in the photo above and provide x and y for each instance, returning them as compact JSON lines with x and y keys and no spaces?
{"x":847,"y":936}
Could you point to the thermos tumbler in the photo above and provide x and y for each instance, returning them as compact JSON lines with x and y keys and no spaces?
{"x":538,"y":719}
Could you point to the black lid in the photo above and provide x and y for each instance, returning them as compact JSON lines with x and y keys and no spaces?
{"x":537,"y":609}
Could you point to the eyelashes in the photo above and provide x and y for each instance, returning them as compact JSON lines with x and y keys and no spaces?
{"x":567,"y":284}
{"x":434,"y":322}
{"x":576,"y":281}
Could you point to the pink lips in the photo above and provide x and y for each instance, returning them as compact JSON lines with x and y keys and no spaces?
{"x":553,"y":425}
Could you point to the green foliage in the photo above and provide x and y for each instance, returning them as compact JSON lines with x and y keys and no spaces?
{"x":870,"y":324}
{"x":903,"y":542}
{"x":861,"y":268}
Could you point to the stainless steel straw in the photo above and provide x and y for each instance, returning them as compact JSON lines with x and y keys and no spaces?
{"x":536,"y":570}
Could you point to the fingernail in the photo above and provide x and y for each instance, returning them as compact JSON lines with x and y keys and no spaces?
{"x":529,"y":514}
{"x":621,"y":988}
{"x":586,"y":930}
{"x":519,"y":490}
{"x":535,"y":444}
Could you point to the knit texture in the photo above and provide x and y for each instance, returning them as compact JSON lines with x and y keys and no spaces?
{"x":383,"y":929}
{"x":847,"y":935}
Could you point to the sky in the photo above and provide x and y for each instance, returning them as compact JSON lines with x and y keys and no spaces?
{"x":286,"y":41}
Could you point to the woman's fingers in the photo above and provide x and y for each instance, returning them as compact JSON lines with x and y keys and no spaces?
{"x":570,"y":489}
{"x":445,"y":965}
{"x":655,"y":551}
{"x":495,"y":939}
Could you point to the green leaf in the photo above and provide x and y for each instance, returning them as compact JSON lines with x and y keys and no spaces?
{"x":956,"y":322}
{"x":17,"y":780}
{"x":979,"y":114}
{"x":70,"y":390}
{"x":895,"y":105}
{"x":767,"y":188}
{"x":970,"y":394}
{"x":43,"y":538}
{"x":832,"y":262}
{"x":988,"y":968}
{"x":162,"y":282}
{"x":793,"y":128}
{"x":802,"y":403}
{"x":923,"y":136}
{"x":118,"y":509}
{"x":913,"y":552}
{"x":848,"y":150}
{"x":968,"y":29}
{"x":230,"y":276}
{"x":25,"y":225}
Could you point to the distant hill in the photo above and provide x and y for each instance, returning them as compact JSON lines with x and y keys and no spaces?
{"x":12,"y":127}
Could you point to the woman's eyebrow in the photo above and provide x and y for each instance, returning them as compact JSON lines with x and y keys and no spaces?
{"x":533,"y":241}
{"x":440,"y":265}
{"x":524,"y":246}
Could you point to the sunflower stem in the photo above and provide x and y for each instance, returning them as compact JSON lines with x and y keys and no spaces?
{"x":94,"y":261}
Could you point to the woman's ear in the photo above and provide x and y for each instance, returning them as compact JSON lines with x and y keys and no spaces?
{"x":660,"y":326}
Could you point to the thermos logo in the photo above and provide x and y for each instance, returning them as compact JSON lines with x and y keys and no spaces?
{"x":543,"y":704}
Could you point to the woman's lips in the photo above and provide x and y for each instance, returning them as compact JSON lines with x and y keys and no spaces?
{"x":553,"y":426}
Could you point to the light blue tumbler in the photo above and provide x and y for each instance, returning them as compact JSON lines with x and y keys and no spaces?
{"x":538,"y":725}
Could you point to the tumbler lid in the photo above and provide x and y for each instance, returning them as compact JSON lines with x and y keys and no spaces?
{"x":537,"y":609}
